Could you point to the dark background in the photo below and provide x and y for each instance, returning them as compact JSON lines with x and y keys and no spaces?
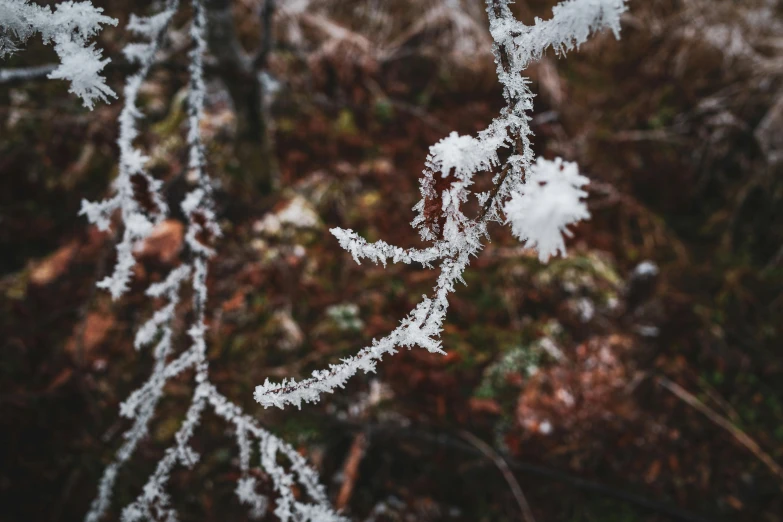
{"x":667,"y":402}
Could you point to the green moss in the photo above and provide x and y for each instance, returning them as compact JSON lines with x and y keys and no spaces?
{"x":345,"y":124}
{"x":383,"y":110}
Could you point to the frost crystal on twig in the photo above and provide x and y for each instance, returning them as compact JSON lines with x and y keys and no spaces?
{"x":69,"y":27}
{"x":542,"y":209}
{"x":133,"y":177}
{"x":286,"y":468}
{"x":539,"y":200}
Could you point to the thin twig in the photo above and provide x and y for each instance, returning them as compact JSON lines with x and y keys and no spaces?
{"x":351,"y":470}
{"x":713,"y":394}
{"x":447,"y":440}
{"x":501,"y":464}
{"x":23,"y":74}
{"x":261,"y":59}
{"x":723,"y":422}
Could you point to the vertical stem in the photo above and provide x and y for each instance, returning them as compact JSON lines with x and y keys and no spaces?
{"x":240,"y":73}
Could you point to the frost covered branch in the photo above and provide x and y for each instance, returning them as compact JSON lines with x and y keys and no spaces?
{"x":133,"y":182}
{"x":281,"y":462}
{"x":68,"y":27}
{"x":540,"y":200}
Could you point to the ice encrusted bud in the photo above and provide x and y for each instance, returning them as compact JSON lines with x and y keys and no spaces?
{"x":541,"y":210}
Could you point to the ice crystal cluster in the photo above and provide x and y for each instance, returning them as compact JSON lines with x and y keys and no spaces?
{"x":543,"y":208}
{"x":69,"y":27}
{"x":539,"y":199}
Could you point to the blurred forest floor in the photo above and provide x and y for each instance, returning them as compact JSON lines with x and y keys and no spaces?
{"x":638,"y":379}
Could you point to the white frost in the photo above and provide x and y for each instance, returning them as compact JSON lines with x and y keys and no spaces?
{"x":540,"y":200}
{"x":541,"y":210}
{"x":69,"y":27}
